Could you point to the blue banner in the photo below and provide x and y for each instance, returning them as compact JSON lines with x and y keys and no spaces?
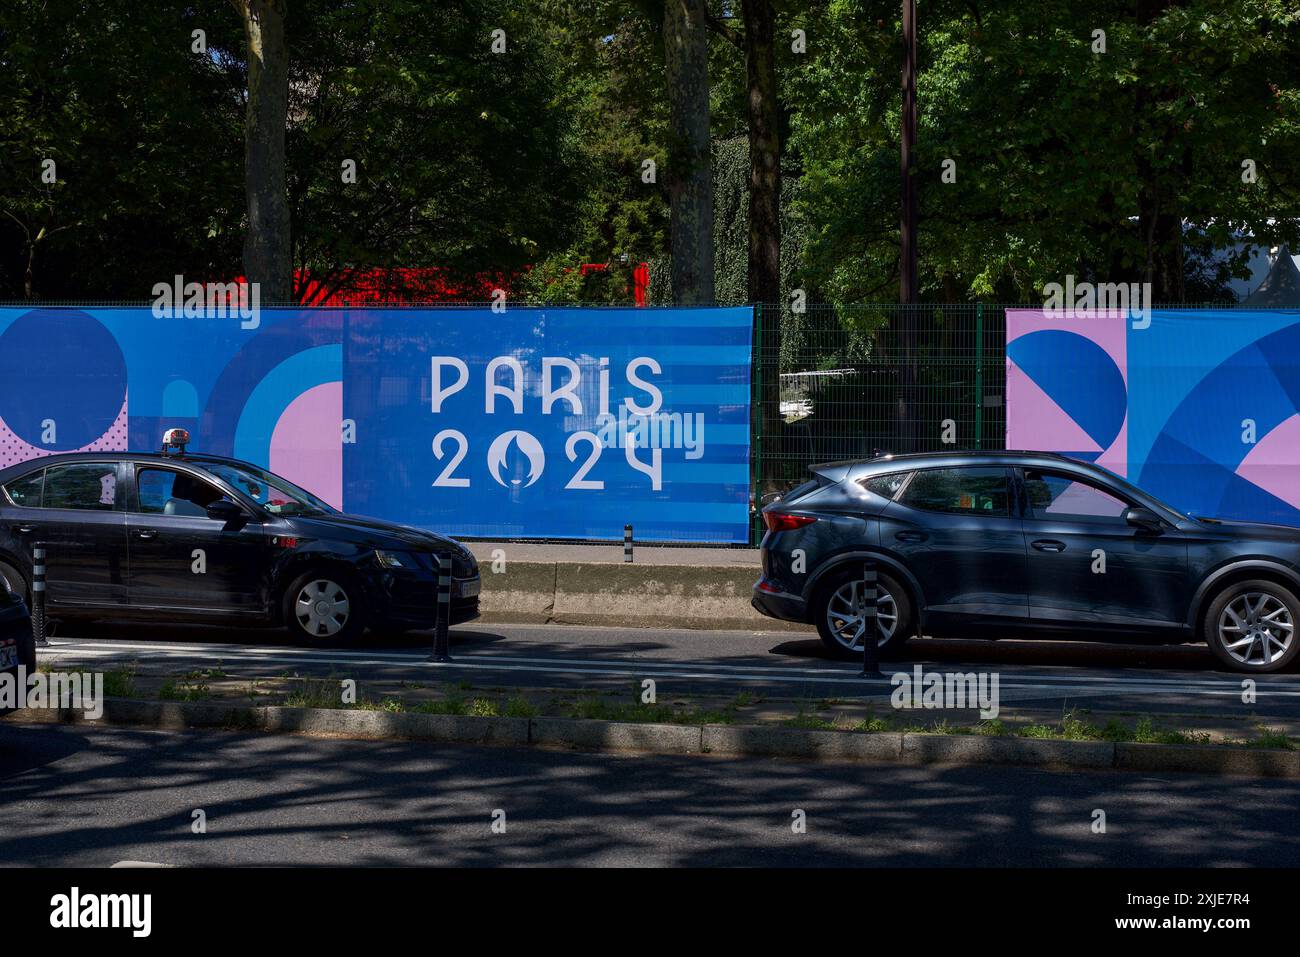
{"x":1200,"y":407}
{"x":557,"y":423}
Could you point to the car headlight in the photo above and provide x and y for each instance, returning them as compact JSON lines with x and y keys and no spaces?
{"x":388,"y":559}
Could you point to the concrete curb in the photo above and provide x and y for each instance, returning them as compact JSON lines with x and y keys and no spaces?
{"x":724,"y":740}
{"x":625,"y":596}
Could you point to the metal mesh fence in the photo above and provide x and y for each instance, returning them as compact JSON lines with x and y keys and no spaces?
{"x":844,"y":381}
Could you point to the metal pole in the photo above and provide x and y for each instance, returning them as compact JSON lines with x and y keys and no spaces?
{"x":627,"y":543}
{"x":38,"y":593}
{"x":441,"y":643}
{"x":979,"y":375}
{"x":870,"y":648}
{"x":757,"y":418}
{"x":908,"y":283}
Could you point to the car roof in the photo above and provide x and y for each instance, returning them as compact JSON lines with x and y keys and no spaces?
{"x":888,"y":461}
{"x":64,"y":458}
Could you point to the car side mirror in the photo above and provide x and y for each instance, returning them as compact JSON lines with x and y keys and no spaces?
{"x":224,"y":510}
{"x":1143,"y":518}
{"x":768,"y":498}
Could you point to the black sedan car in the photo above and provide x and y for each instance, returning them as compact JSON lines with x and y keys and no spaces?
{"x":201,"y":538}
{"x":17,"y":645}
{"x":1023,"y":544}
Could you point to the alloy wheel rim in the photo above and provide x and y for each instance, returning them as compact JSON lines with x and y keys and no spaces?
{"x":1256,"y":628}
{"x":322,"y":608}
{"x":847,"y":622}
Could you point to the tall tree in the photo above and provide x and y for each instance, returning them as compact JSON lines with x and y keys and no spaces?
{"x":267,"y":251}
{"x":689,"y":174}
{"x":757,"y":40}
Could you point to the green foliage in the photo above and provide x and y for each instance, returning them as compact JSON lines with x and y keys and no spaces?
{"x":1052,"y":141}
{"x":145,"y":136}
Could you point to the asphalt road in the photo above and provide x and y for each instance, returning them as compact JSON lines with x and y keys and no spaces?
{"x":93,"y":797}
{"x":1182,"y":679}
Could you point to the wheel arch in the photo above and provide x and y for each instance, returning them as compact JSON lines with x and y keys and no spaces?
{"x":313,"y":564}
{"x":1231,"y":574}
{"x":887,"y":563}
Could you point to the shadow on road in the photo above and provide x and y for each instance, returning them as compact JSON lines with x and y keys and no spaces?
{"x":1069,"y":654}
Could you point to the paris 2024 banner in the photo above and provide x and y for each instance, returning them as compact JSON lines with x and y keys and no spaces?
{"x":528,"y":422}
{"x":1199,"y":407}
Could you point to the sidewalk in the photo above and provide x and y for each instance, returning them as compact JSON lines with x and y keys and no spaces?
{"x":641,"y":554}
{"x":663,"y":587}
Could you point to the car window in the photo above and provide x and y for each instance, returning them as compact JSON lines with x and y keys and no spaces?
{"x":26,"y":491}
{"x":1066,"y":498}
{"x":973,"y":491}
{"x":88,"y":487}
{"x":165,"y":492}
{"x":886,"y":486}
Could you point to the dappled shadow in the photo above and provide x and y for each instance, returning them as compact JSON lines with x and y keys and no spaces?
{"x":1078,"y":654}
{"x":117,"y":794}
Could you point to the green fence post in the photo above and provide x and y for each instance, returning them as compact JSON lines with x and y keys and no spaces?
{"x":756,"y":416}
{"x":979,"y":375}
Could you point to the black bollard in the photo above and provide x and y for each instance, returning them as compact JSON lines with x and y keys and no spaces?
{"x":441,"y":644}
{"x":627,"y":543}
{"x":870,"y":648}
{"x":38,"y":594}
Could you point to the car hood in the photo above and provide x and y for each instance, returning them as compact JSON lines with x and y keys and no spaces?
{"x":376,"y":533}
{"x":1259,"y":530}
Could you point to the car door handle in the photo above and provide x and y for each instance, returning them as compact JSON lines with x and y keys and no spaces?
{"x":911,"y":536}
{"x":146,"y":533}
{"x":1049,"y":545}
{"x":24,"y":529}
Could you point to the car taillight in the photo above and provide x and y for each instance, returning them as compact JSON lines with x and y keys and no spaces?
{"x":785,"y":522}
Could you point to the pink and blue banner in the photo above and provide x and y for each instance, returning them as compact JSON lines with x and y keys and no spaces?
{"x":563,"y":423}
{"x":1199,"y":407}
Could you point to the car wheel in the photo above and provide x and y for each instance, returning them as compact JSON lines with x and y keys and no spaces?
{"x":841,"y":622}
{"x":325,"y":606}
{"x":11,"y":579}
{"x":1251,"y":626}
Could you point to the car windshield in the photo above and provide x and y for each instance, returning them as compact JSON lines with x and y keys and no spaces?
{"x":276,"y":495}
{"x":1134,"y":491}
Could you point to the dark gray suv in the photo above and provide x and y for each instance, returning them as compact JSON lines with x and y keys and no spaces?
{"x":1002,"y":544}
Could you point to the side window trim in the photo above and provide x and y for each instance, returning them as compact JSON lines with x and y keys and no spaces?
{"x":114,"y":464}
{"x":138,"y":467}
{"x":907,"y":479}
{"x":1027,"y":508}
{"x":1008,"y":475}
{"x":4,"y":489}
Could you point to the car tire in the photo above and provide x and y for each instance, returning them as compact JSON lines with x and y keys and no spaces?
{"x":1251,"y":626}
{"x":834,"y":603}
{"x":325,"y":606}
{"x":16,"y":582}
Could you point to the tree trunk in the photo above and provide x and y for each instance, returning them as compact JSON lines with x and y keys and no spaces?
{"x":267,"y":252}
{"x":764,"y":277}
{"x":689,"y":176}
{"x":1160,"y":220}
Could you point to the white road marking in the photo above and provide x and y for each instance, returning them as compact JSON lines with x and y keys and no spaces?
{"x":1020,"y":683}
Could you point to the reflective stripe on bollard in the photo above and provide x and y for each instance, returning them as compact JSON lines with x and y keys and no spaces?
{"x":441,"y":642}
{"x":38,"y":594}
{"x":870,"y":648}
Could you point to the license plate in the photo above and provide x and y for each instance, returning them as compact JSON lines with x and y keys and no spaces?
{"x":470,"y":589}
{"x":8,"y":656}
